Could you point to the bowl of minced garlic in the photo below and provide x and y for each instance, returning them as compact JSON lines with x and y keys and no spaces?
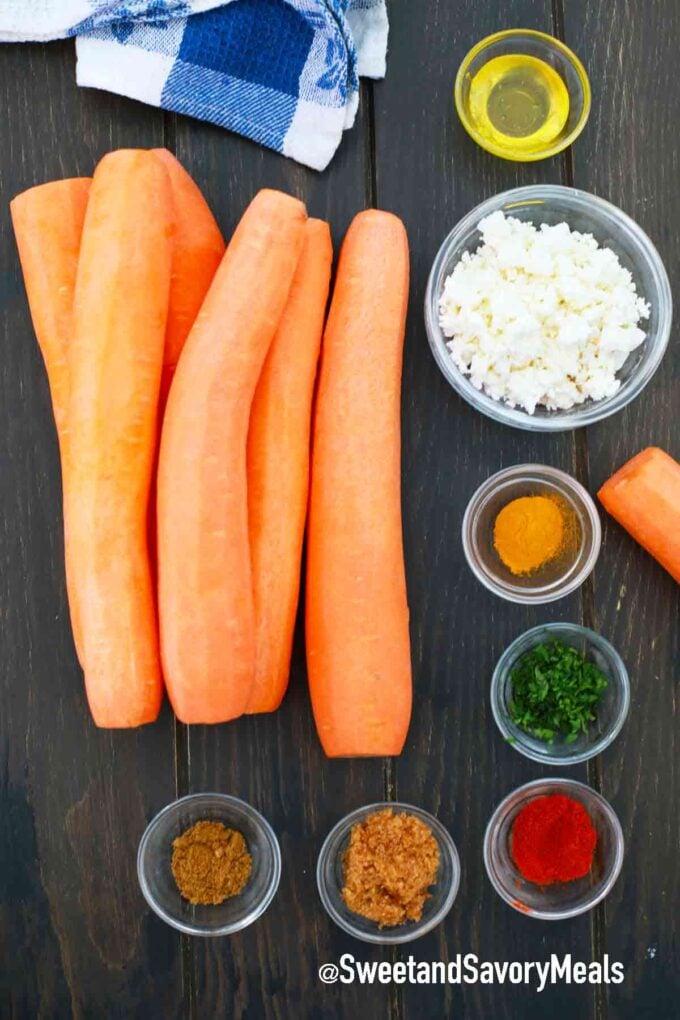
{"x":388,"y":873}
{"x":531,"y":534}
{"x":209,"y":864}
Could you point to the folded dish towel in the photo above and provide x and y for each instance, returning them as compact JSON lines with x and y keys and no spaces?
{"x":282,"y":72}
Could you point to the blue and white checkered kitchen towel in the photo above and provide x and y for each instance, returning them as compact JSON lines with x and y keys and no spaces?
{"x":282,"y":72}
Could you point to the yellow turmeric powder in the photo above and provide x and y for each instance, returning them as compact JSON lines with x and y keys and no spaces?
{"x":529,"y":532}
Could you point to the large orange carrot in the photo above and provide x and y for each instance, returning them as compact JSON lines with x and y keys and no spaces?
{"x":198,"y":248}
{"x":278,"y":466}
{"x":48,"y":223}
{"x":116,"y":360}
{"x":205,"y":584}
{"x":644,"y":497}
{"x":358,"y":652}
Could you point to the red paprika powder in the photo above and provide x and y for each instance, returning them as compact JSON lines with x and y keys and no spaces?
{"x":553,"y":840}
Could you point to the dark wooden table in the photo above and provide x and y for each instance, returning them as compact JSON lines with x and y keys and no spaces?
{"x":76,"y":938}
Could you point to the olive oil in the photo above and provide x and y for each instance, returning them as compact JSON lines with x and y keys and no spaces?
{"x":519,"y":103}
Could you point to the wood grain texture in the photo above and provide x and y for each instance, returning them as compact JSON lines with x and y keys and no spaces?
{"x":628,"y":155}
{"x":75,"y":936}
{"x":275,"y":761}
{"x":456,"y":764}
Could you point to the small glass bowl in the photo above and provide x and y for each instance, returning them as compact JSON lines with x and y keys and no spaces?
{"x":560,"y":576}
{"x":612,"y":228}
{"x":533,"y":44}
{"x":562,"y":899}
{"x":330,"y":879}
{"x":612,"y":708}
{"x":156,"y":878}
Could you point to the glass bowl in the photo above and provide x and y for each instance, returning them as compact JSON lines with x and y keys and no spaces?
{"x":330,"y":879}
{"x":560,"y":900}
{"x":612,"y":708}
{"x":552,"y":204}
{"x":559,"y":576}
{"x":533,"y":44}
{"x":157,"y":882}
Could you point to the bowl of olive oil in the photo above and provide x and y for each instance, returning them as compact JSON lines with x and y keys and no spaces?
{"x":522,"y":95}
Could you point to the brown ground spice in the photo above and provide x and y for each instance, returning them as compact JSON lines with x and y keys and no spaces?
{"x":390,"y":864}
{"x":210,"y":863}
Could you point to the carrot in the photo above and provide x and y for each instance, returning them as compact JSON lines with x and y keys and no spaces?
{"x":205,"y":586}
{"x":116,"y":360}
{"x":644,"y":497}
{"x":48,"y":223}
{"x":198,"y":248}
{"x":358,"y":652}
{"x":278,"y":467}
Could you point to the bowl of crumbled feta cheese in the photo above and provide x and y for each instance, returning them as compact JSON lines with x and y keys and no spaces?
{"x":548,"y":308}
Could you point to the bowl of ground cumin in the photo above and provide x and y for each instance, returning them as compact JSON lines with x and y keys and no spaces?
{"x":388,"y":873}
{"x":209,"y":864}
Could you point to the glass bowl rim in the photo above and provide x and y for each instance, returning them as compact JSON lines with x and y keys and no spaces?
{"x":581,"y":414}
{"x":619,"y":848}
{"x":533,"y":596}
{"x":551,"y":42}
{"x":272,"y":886}
{"x":399,"y":935}
{"x":622,"y":680}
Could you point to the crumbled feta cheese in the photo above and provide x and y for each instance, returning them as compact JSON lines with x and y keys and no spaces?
{"x":541,"y":316}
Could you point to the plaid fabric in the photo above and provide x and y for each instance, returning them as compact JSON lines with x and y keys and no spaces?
{"x":282,"y":72}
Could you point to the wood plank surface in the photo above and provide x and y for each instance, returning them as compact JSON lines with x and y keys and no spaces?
{"x":629,"y":155}
{"x":275,"y":761}
{"x":75,"y":937}
{"x":456,"y":763}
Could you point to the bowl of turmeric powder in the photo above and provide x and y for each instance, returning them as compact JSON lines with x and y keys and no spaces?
{"x":531,"y":534}
{"x":209,"y":864}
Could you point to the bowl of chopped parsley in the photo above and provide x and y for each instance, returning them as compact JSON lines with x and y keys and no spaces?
{"x":560,"y":694}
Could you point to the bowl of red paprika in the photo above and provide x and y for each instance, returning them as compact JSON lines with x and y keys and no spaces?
{"x":553,"y":849}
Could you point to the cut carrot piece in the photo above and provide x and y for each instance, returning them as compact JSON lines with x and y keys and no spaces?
{"x":358,"y":650}
{"x":116,"y":360}
{"x":278,"y":466}
{"x":48,"y":223}
{"x":205,"y":585}
{"x":198,"y":247}
{"x":644,"y":497}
